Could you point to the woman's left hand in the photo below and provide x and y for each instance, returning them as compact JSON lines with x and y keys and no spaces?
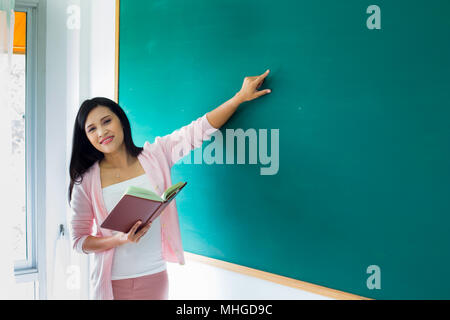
{"x":249,"y":90}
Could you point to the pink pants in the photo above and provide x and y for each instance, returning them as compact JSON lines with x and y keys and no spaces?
{"x":152,"y":287}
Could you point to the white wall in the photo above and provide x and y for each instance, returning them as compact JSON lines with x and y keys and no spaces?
{"x":64,"y":72}
{"x":80,"y":65}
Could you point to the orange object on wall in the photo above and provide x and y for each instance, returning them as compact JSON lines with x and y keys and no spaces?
{"x":20,"y":33}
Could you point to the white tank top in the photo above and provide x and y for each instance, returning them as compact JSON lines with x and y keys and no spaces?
{"x":133,"y":260}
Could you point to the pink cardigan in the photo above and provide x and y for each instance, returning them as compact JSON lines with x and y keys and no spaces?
{"x":157,"y":160}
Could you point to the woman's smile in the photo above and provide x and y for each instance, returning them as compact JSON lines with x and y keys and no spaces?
{"x":107,"y":140}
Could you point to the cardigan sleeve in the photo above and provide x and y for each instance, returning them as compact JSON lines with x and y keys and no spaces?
{"x":179,"y":143}
{"x":81,"y":218}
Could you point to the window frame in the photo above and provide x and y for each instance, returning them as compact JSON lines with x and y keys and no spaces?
{"x":20,"y":266}
{"x":33,"y":269}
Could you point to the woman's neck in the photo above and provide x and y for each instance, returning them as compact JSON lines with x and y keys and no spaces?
{"x":120,"y":159}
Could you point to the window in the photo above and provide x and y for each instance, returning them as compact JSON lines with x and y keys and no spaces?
{"x":21,"y":246}
{"x":24,"y":138}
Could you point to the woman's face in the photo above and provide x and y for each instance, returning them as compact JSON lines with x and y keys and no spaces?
{"x":104,"y":129}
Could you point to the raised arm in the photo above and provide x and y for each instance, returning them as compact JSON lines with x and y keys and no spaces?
{"x":179,"y":143}
{"x":249,"y":91}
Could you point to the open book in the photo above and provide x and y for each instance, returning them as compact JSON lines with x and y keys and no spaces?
{"x":139,"y":204}
{"x":150,"y":195}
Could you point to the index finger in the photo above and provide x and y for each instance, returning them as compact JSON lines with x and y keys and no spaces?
{"x":143,"y":231}
{"x":136,"y":225}
{"x":262,"y":76}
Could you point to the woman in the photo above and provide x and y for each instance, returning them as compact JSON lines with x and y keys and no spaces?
{"x":103,"y":164}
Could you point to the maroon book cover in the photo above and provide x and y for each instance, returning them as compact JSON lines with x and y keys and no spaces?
{"x":130,"y":209}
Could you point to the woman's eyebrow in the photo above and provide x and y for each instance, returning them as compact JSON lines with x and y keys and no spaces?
{"x":100,"y":120}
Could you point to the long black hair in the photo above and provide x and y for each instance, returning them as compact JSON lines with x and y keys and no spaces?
{"x":84,"y":154}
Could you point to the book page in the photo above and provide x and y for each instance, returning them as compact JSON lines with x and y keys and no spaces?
{"x":171,"y":190}
{"x":143,"y":193}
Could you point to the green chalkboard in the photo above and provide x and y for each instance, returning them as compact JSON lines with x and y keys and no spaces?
{"x":364,"y":136}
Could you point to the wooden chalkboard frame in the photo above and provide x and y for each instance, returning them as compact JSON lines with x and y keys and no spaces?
{"x":285,"y":281}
